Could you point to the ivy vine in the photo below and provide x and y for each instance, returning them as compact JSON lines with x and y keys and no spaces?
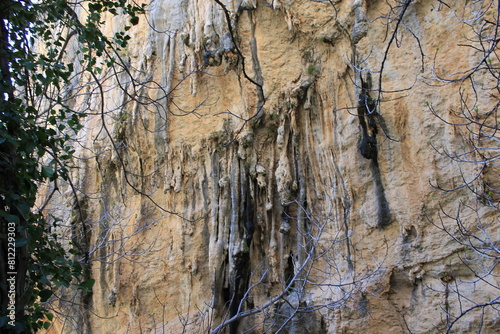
{"x":37,"y":125}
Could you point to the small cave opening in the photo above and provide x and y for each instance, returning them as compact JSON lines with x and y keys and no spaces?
{"x":226,"y":295}
{"x":226,"y":291}
{"x":410,"y":234}
{"x":289,"y":270}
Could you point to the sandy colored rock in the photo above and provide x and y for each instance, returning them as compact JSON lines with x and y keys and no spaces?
{"x":221,"y":184}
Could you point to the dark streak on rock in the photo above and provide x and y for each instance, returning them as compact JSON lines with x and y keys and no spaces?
{"x":368,"y":116}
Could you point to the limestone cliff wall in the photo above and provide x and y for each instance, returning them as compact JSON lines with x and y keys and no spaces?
{"x":255,"y":162}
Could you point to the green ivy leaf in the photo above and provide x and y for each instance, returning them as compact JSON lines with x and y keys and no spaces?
{"x":47,"y":172}
{"x":87,"y":285}
{"x":44,"y":280}
{"x":45,"y":295}
{"x":12,"y":219}
{"x":134,"y":20}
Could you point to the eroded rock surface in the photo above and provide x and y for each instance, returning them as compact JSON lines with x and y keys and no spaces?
{"x":260,"y":153}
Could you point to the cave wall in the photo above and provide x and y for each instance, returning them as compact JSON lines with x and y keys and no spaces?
{"x":252,"y":157}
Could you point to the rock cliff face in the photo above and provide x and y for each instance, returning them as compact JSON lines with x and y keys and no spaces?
{"x":275,"y":166}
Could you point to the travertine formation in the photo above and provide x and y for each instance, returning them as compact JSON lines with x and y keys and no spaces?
{"x":280,"y":156}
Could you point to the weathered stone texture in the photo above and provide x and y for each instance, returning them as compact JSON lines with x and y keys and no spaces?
{"x":237,"y":178}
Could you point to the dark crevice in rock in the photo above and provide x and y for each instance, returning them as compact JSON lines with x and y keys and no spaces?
{"x":368,"y":148}
{"x":249,"y":213}
{"x":289,"y":271}
{"x":242,"y":233}
{"x":238,"y":286}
